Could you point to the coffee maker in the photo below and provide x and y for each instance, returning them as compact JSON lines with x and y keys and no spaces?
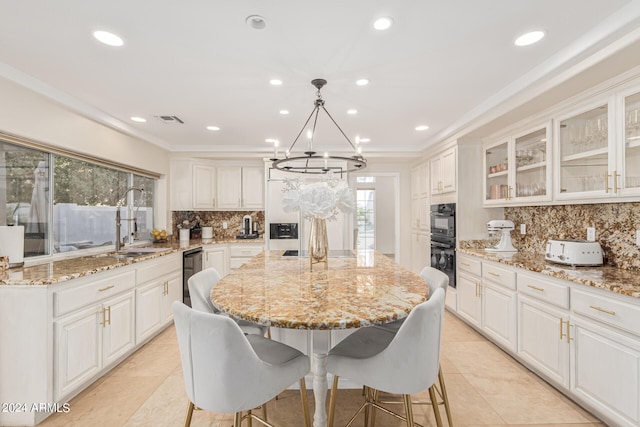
{"x":246,"y":225}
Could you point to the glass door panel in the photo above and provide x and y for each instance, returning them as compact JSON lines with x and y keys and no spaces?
{"x":632,"y":141}
{"x":531,"y":164}
{"x":497,"y":164}
{"x":584,"y":151}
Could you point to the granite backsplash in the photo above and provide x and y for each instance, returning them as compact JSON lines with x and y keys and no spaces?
{"x":615,"y":224}
{"x":215,"y":219}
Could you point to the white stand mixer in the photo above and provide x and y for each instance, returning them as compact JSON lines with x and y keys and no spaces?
{"x":504,"y":226}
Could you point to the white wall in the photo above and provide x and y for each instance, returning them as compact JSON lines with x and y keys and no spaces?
{"x":385,"y":214}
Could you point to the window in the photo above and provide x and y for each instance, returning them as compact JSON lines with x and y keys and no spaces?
{"x":79,"y":213}
{"x":366,"y":202}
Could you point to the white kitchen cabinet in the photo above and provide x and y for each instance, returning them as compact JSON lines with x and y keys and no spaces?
{"x":443,"y":172}
{"x":253,"y":187}
{"x":229,"y":179}
{"x":469,"y":292}
{"x":217,"y":257}
{"x":517,"y":168}
{"x":420,"y":180}
{"x":240,"y":253}
{"x":204,"y":186}
{"x":92,"y":339}
{"x":499,"y":304}
{"x":420,"y":248}
{"x":628,"y":102}
{"x":181,"y":184}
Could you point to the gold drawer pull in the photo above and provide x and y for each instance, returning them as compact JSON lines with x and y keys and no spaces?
{"x":494,"y":274}
{"x":465,"y":264}
{"x":106,"y":288}
{"x":595,"y":307}
{"x":536,"y":288}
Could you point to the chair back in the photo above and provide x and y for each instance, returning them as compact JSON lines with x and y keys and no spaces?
{"x":435,"y":279}
{"x":414,"y":352}
{"x":219,"y":365}
{"x":200,"y":285}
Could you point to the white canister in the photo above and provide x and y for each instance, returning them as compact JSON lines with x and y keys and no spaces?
{"x":184,"y":234}
{"x":207,"y":232}
{"x":12,"y":244}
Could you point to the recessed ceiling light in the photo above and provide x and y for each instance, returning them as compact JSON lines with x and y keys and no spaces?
{"x":256,"y":22}
{"x":529,"y":38}
{"x":108,"y":38}
{"x":382,"y":24}
{"x":422,"y":127}
{"x":214,"y":128}
{"x":275,"y":82}
{"x":271,"y":140}
{"x":284,"y":112}
{"x":352,"y":111}
{"x":138,"y":119}
{"x":362,"y":82}
{"x":365,"y":139}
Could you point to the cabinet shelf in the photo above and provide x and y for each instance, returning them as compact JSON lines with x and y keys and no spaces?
{"x":498,"y":174}
{"x":538,"y":165}
{"x":597,"y":153}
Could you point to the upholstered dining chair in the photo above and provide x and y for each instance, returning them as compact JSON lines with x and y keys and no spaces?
{"x":200,"y":285}
{"x":405,"y":362}
{"x":229,"y":372}
{"x":435,"y":279}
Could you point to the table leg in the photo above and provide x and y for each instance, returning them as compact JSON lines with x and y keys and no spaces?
{"x":319,"y":369}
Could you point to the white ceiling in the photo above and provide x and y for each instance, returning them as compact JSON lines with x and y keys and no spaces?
{"x":446,"y":64}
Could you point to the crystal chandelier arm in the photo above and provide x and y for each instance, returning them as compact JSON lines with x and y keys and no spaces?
{"x":315,"y":109}
{"x":339,"y":128}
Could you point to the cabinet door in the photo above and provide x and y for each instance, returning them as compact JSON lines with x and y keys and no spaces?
{"x":542,"y":336}
{"x":497,"y":185}
{"x":448,"y":172}
{"x":119,"y":331}
{"x":204,"y":187}
{"x":499,"y":314}
{"x":469,"y":298}
{"x":148,"y":310}
{"x":253,"y":187}
{"x":435,"y":182}
{"x":181,"y":183}
{"x":424,"y":212}
{"x":532,"y":171}
{"x":606,"y":371}
{"x":229,"y":187}
{"x":627,"y":180}
{"x":78,"y":349}
{"x":216,"y":258}
{"x":172,"y":291}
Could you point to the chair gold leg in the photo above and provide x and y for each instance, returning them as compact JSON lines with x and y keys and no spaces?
{"x":249,"y":420}
{"x":445,"y":398}
{"x":237,"y":419}
{"x":373,"y":408}
{"x":187,"y":418}
{"x":305,"y":403}
{"x":332,"y":400}
{"x":434,"y":403}
{"x":269,"y":332}
{"x":408,"y":409}
{"x":367,"y":398}
{"x":264,"y":411}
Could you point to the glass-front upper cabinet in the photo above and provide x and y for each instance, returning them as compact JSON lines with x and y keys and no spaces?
{"x":583,"y":147}
{"x":517,"y":169}
{"x":631,"y":137}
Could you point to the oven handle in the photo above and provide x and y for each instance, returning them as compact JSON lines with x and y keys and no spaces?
{"x":441,"y":245}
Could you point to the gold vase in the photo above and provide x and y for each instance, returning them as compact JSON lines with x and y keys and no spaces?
{"x":318,"y":243}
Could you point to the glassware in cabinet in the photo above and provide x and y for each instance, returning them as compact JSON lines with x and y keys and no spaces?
{"x":531,"y":164}
{"x":631,"y":142}
{"x":496,"y":162}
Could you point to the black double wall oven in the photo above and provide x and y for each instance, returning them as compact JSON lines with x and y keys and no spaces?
{"x":443,"y":239}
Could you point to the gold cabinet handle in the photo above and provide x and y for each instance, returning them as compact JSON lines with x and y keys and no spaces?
{"x":509,"y":192}
{"x":569,"y":339}
{"x":493,"y":274}
{"x":106,"y":288}
{"x":616,"y":175}
{"x":606,"y":183}
{"x":561,"y":329}
{"x":568,"y":334}
{"x":465,"y":264}
{"x":595,"y":307}
{"x":106,"y":316}
{"x":478,"y":289}
{"x":536,"y":288}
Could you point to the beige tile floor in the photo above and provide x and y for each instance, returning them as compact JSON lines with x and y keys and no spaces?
{"x":486,"y":388}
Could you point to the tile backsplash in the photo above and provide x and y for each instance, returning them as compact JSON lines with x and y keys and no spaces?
{"x":615,"y":224}
{"x":215,"y":220}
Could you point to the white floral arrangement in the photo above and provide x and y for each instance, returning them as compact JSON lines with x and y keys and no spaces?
{"x":323,"y":199}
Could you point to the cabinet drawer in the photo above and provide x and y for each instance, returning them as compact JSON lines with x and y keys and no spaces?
{"x":499,"y":275}
{"x":544,"y":290}
{"x":612,"y":312}
{"x":470,"y":265}
{"x":91,"y":291}
{"x":237,"y":262}
{"x":159,"y":267}
{"x":240,"y":250}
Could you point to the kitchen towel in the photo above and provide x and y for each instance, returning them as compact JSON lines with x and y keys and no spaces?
{"x":12,"y":244}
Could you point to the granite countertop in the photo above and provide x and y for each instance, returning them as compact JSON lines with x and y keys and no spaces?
{"x":621,"y":281}
{"x":51,"y":272}
{"x":366,"y":289}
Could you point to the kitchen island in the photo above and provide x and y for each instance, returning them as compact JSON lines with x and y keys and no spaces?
{"x":355,"y":291}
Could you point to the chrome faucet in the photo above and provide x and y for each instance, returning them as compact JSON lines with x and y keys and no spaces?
{"x":118,"y":219}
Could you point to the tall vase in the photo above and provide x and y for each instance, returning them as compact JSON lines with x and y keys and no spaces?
{"x":318,"y":243}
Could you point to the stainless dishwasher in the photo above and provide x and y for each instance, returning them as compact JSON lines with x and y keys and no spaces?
{"x":191,"y":264}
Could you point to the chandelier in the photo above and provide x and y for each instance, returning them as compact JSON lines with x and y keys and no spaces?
{"x":312,"y":162}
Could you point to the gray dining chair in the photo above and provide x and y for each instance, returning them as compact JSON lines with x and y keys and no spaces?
{"x":403,"y":362}
{"x":200,"y":285}
{"x":227,"y":371}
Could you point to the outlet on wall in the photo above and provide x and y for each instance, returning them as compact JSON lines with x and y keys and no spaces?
{"x":523,"y":228}
{"x":637,"y":237}
{"x":225,"y":225}
{"x":591,"y":234}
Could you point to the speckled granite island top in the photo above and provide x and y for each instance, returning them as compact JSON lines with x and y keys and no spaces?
{"x":625,"y":282}
{"x":354,"y":292}
{"x":51,"y":272}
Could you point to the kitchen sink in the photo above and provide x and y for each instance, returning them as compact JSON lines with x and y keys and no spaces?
{"x":131,"y":253}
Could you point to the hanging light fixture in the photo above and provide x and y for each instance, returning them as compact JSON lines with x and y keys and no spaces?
{"x":311,"y":162}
